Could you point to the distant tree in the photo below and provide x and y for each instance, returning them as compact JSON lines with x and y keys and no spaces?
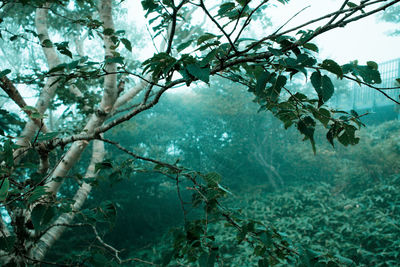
{"x":392,"y":14}
{"x":83,"y":93}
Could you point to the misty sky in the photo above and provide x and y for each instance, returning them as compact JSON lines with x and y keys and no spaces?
{"x":364,"y":40}
{"x":367,"y":39}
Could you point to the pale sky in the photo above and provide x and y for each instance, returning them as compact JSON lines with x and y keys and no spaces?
{"x":367,"y":39}
{"x":364,"y":40}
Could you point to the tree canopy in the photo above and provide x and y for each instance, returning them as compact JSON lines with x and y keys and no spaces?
{"x":83,"y":63}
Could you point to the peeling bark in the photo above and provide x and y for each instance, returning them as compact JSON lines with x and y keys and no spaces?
{"x":54,"y":233}
{"x":107,"y":101}
{"x":47,"y":94}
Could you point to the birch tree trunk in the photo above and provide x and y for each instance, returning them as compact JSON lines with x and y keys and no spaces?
{"x":110,"y":94}
{"x":48,"y":91}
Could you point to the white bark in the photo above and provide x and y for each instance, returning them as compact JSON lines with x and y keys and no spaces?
{"x":107,"y":101}
{"x":73,"y":154}
{"x":48,"y":239}
{"x":47,"y":94}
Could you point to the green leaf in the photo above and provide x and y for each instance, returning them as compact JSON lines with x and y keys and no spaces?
{"x":224,"y":8}
{"x":184,"y":45}
{"x":37,"y":193}
{"x":372,"y":64}
{"x":332,"y":67}
{"x":57,"y":68}
{"x":264,"y":262}
{"x":65,"y":51}
{"x":205,"y":37}
{"x":5,"y":185}
{"x":47,"y":43}
{"x":323,"y":86}
{"x":306,"y":126}
{"x":202,"y":74}
{"x":209,"y":57}
{"x":106,"y":164}
{"x":323,"y":115}
{"x":369,"y":74}
{"x":351,"y":4}
{"x":4,"y":72}
{"x":275,"y":52}
{"x":108,"y":31}
{"x":42,"y":215}
{"x":347,"y":137}
{"x":212,"y":178}
{"x":274,"y":91}
{"x":262,"y":80}
{"x":311,"y":46}
{"x":7,"y":243}
{"x":127,"y":44}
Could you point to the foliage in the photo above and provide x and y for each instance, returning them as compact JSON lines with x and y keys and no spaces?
{"x":362,"y":227}
{"x":83,"y":99}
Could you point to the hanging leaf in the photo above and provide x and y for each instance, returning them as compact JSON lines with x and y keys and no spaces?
{"x":323,"y":86}
{"x":262,"y":80}
{"x":274,"y":91}
{"x":202,"y":74}
{"x":205,"y":37}
{"x":127,"y":44}
{"x":184,"y":45}
{"x":347,"y":137}
{"x":332,"y":67}
{"x":42,"y":215}
{"x":212,"y":178}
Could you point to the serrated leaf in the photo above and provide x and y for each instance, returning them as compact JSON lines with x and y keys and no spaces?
{"x":208,"y":58}
{"x":202,"y":74}
{"x":323,"y":86}
{"x":347,"y":136}
{"x":323,"y":115}
{"x":332,"y":67}
{"x":212,"y":178}
{"x":224,"y":8}
{"x":42,"y":215}
{"x":127,"y":44}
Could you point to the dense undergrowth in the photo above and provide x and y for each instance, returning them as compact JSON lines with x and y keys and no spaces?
{"x":348,"y":218}
{"x":325,"y":228}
